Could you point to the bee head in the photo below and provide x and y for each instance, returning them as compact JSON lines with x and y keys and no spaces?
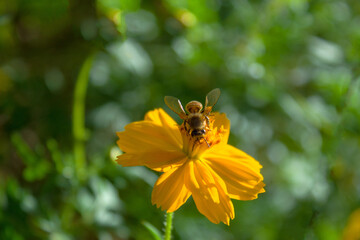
{"x":194,"y":107}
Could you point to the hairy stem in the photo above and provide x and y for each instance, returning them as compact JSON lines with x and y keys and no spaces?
{"x":168,"y":225}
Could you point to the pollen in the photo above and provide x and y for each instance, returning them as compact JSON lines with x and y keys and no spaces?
{"x":213,"y":136}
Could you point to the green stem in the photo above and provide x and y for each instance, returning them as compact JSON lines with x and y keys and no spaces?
{"x":79,"y":131}
{"x":168,"y":225}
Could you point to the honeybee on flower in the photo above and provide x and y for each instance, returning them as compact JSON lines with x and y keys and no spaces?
{"x":195,"y":159}
{"x":196,"y":121}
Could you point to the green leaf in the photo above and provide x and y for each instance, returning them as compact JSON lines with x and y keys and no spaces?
{"x":52,"y":145}
{"x":155,"y":233}
{"x":37,"y":167}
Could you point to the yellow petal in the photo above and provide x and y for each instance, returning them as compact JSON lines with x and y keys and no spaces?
{"x":190,"y":178}
{"x":160,"y":117}
{"x":240,"y":171}
{"x":169,"y":191}
{"x":199,"y":179}
{"x":145,"y":136}
{"x":155,"y":142}
{"x":241,"y":193}
{"x":216,"y":212}
{"x":209,"y":192}
{"x":157,"y":160}
{"x":221,"y":121}
{"x":207,"y":181}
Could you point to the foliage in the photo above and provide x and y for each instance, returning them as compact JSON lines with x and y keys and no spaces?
{"x":289,"y":76}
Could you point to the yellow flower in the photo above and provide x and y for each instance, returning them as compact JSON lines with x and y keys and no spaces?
{"x":352,"y":229}
{"x":212,"y":175}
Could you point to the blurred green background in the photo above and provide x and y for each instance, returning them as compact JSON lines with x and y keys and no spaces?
{"x":72,"y":73}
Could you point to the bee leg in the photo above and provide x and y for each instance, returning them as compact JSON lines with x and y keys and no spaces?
{"x":194,"y":144}
{"x":206,"y":142}
{"x":186,"y":127}
{"x":207,"y":120}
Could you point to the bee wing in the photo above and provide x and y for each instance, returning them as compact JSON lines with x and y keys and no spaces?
{"x":174,"y":104}
{"x":211,"y":99}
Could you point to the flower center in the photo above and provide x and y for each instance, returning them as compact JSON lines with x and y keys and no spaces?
{"x":194,"y":145}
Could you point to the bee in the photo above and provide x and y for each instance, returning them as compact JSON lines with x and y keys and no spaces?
{"x":196,"y":118}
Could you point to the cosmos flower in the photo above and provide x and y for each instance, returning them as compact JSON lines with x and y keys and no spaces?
{"x":212,"y":175}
